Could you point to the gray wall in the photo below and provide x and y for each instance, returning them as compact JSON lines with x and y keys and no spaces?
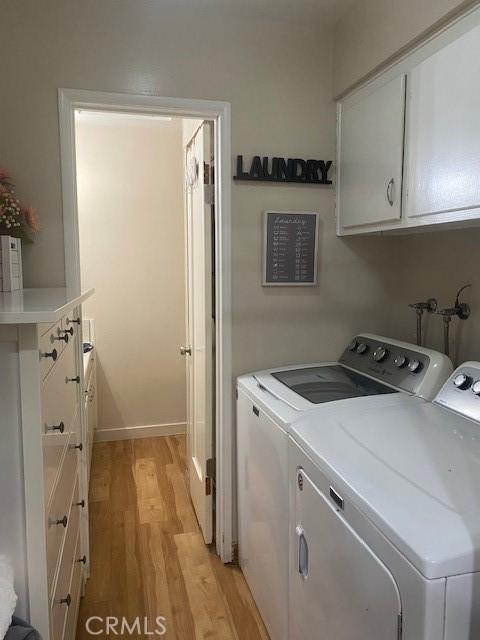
{"x":277,"y":74}
{"x":372,"y":31}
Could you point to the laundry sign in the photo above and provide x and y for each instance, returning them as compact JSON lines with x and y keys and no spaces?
{"x":298,"y":170}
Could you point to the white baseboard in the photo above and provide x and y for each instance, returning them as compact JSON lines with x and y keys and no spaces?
{"x":147,"y":431}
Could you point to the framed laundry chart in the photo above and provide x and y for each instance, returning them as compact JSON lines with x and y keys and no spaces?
{"x":290,"y":241}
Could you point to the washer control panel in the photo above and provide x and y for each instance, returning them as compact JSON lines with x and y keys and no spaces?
{"x":461,"y":392}
{"x":395,"y":363}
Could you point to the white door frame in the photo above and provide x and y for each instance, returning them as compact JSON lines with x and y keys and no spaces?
{"x":219,"y":112}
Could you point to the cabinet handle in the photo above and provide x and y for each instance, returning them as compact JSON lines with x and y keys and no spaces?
{"x":56,"y":427}
{"x":80,"y":504}
{"x":63,"y":521}
{"x":73,"y":321}
{"x":390,"y":188}
{"x":76,"y":379}
{"x":77,"y":446}
{"x":53,"y":355}
{"x":70,"y":331}
{"x":83,"y":560}
{"x":67,"y":600}
{"x":64,"y":338}
{"x":302,"y":553}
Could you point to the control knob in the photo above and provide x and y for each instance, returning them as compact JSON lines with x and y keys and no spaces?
{"x":462,"y":381}
{"x":400,"y":361}
{"x":362,"y":348}
{"x":353,"y":345}
{"x":414,"y":366}
{"x":476,"y":387}
{"x":380,"y":353}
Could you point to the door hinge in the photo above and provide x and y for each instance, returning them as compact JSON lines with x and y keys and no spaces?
{"x":400,"y":626}
{"x":210,"y":476}
{"x":208,"y":486}
{"x":211,"y":467}
{"x":209,"y":191}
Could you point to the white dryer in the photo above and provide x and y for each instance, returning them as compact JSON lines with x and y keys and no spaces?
{"x":385,"y":518}
{"x":370,"y":371}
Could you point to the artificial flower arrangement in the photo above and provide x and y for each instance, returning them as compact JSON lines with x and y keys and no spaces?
{"x":16,"y":220}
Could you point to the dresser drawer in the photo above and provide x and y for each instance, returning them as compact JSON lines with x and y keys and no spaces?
{"x":60,"y":418}
{"x":65,"y":602}
{"x":75,"y":590}
{"x":58,"y":515}
{"x":50,"y":347}
{"x":62,"y":582}
{"x":60,"y":393}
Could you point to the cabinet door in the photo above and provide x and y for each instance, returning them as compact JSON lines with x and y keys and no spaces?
{"x":371,"y":132}
{"x":443,"y":123}
{"x":339,"y":589}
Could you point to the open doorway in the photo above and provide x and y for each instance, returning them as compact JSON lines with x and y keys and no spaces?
{"x":105,"y":250}
{"x":147,"y":236}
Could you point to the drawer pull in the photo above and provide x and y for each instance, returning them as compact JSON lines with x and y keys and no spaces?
{"x":63,"y":521}
{"x":77,"y":446}
{"x":56,"y":427}
{"x":67,"y":600}
{"x":70,"y":331}
{"x":73,"y":321}
{"x":76,"y":379}
{"x":53,"y":354}
{"x":80,"y":504}
{"x":83,"y":560}
{"x":64,"y":338}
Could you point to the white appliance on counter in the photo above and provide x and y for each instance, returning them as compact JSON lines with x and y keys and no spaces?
{"x":370,"y":370}
{"x":385,"y":518}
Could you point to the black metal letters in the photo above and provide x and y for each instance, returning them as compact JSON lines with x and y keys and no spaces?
{"x":285,"y":170}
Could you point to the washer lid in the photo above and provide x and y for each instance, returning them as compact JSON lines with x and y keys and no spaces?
{"x":413,"y":469}
{"x":305,"y":387}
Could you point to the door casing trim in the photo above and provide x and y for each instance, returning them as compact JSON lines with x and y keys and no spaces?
{"x":219,"y":112}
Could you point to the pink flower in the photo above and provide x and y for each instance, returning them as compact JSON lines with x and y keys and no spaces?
{"x":31,"y":218}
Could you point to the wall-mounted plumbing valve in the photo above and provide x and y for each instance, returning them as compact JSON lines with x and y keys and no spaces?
{"x":459,"y":309}
{"x":430,"y":306}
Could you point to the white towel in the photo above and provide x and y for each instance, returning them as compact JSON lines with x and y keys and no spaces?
{"x":8,"y":597}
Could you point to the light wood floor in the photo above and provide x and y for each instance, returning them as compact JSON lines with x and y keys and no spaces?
{"x":147,"y":553}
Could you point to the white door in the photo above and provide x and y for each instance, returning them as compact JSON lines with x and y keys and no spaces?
{"x":371,"y":131}
{"x":339,"y":589}
{"x":443,"y":146}
{"x":200,"y":325}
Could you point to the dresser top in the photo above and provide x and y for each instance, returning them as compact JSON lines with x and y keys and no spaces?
{"x":34,"y":306}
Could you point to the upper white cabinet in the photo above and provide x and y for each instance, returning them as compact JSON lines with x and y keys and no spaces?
{"x":369,"y":178}
{"x":419,"y":120}
{"x":443,"y":143}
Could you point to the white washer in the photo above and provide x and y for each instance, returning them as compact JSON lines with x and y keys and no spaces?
{"x":385,"y":518}
{"x":370,"y":371}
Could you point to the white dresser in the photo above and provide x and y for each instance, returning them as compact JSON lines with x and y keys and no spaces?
{"x":44,"y":475}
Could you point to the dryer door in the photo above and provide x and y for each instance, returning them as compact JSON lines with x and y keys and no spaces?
{"x":340,"y":590}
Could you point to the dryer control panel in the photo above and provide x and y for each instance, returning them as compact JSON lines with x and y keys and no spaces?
{"x":461,"y":392}
{"x":416,"y":370}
